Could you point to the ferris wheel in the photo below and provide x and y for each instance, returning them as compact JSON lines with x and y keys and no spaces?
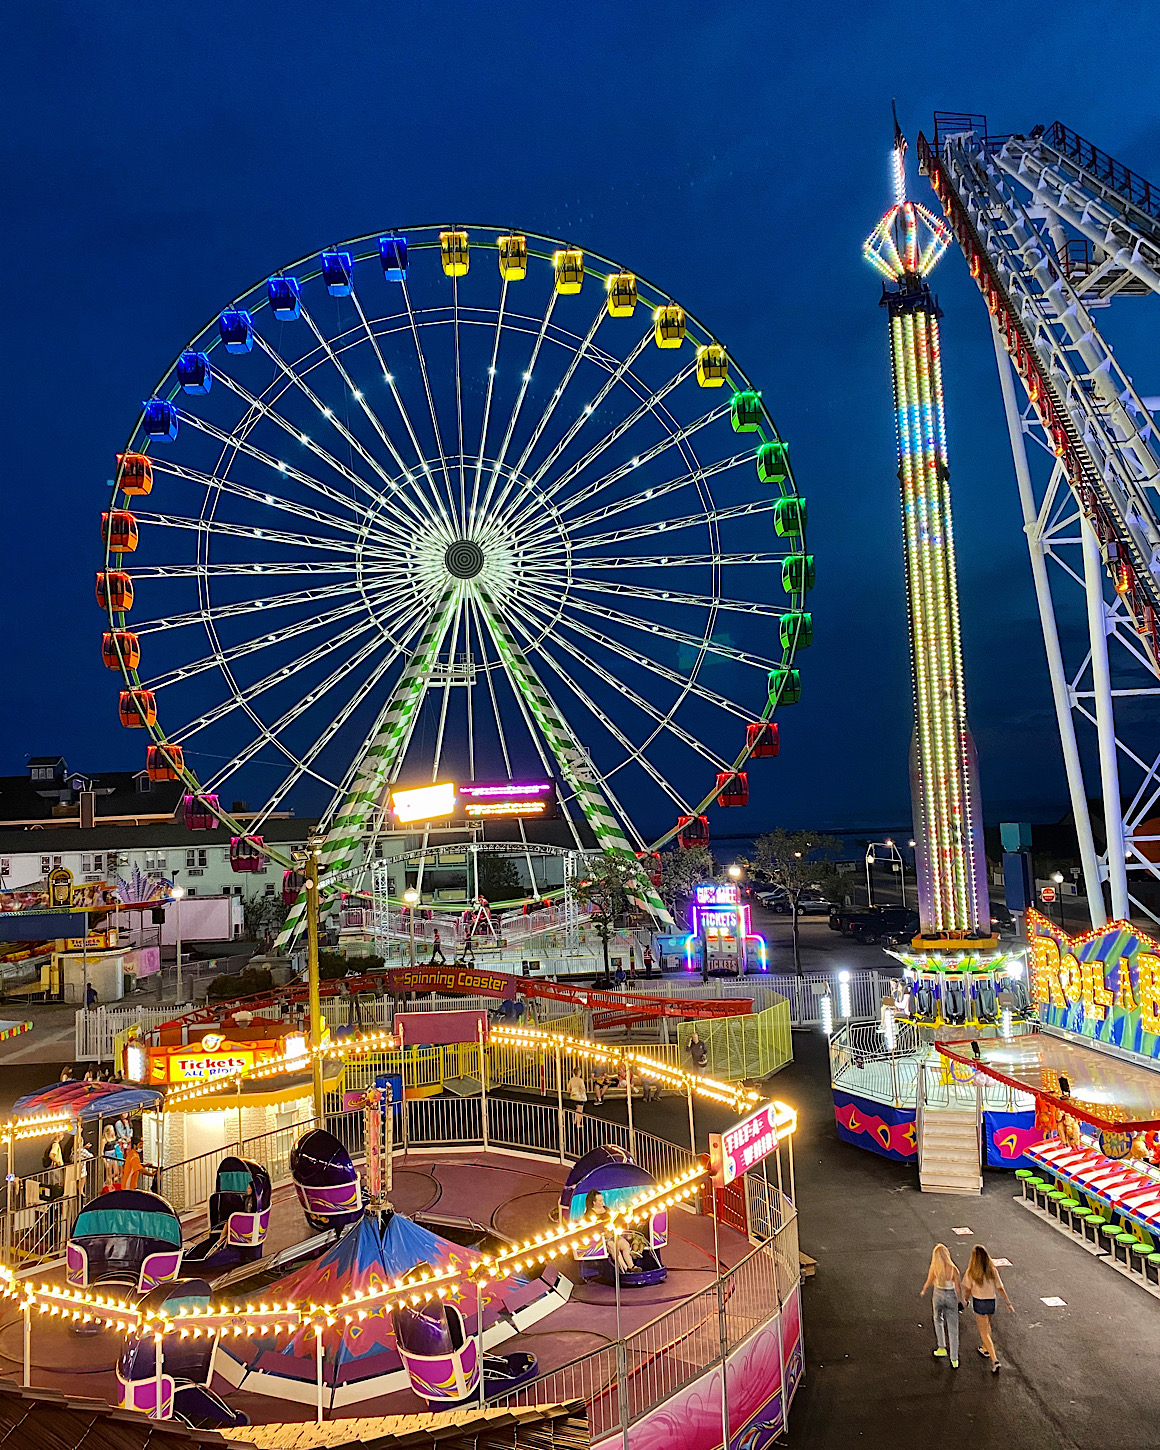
{"x":455,"y":501}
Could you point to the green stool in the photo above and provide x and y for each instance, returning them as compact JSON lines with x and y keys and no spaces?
{"x":1108,"y":1232}
{"x":1121,"y":1245}
{"x":1138,"y":1253}
{"x":1151,"y":1267}
{"x":1092,"y":1224}
{"x":1040,"y":1185}
{"x":1024,"y":1176}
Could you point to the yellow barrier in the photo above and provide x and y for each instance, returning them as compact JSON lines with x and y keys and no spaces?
{"x":742,"y":1049}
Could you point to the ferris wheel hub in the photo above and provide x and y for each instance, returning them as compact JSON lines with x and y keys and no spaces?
{"x":463,"y":559}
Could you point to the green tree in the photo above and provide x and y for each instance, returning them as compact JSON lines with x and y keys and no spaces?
{"x":263,"y":918}
{"x":496,"y":878}
{"x":795,"y":860}
{"x":681,"y":870}
{"x":605,"y":887}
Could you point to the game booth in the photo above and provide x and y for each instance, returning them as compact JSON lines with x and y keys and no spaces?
{"x":1091,"y":1166}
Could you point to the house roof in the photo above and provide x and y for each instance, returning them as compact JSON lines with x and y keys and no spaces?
{"x":169,"y":833}
{"x":117,"y":794}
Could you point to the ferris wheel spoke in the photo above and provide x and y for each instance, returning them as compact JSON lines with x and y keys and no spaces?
{"x":517,"y":406}
{"x":422,"y":358}
{"x":243,"y":531}
{"x":690,"y":685}
{"x":610,"y":725}
{"x":654,"y":491}
{"x":211,"y":570}
{"x":662,"y":717}
{"x":674,"y":596}
{"x":586,"y":412}
{"x":211,"y":613}
{"x":241,"y":698}
{"x":674,"y":636}
{"x":668,"y":526}
{"x":488,"y":395}
{"x":261,"y":642}
{"x":687,"y":561}
{"x":438,"y":753}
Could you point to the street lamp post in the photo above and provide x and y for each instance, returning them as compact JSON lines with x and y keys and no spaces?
{"x":411,"y":897}
{"x":1057,"y":877}
{"x":175,"y":895}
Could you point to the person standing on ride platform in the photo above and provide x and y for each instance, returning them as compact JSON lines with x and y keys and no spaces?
{"x":437,"y":950}
{"x":698,"y":1052}
{"x":983,"y":1284}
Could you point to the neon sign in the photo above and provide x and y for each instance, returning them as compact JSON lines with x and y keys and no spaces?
{"x":490,"y":799}
{"x":424,"y":803}
{"x":717,"y":894}
{"x":747,"y":1143}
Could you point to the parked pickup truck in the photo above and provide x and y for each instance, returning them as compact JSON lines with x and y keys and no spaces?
{"x":887,"y":924}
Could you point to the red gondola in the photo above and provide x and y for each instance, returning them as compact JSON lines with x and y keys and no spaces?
{"x":200,"y":812}
{"x":651,"y":861}
{"x":134,"y":472}
{"x":692,"y":831}
{"x":119,"y":531}
{"x":246,"y":853}
{"x":138,"y":708}
{"x":733,"y":788}
{"x":292,"y":884}
{"x":115,"y":590}
{"x":130,"y":649}
{"x":762,"y":740}
{"x":164,"y":762}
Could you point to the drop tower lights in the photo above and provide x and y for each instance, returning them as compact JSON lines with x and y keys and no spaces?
{"x":951,"y":867}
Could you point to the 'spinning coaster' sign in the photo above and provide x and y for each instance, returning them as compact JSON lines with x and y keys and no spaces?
{"x":1103,"y":984}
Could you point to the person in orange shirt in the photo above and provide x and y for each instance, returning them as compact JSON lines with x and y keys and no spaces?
{"x":134,"y":1168}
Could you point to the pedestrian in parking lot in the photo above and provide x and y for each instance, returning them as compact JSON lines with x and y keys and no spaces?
{"x":942,"y":1278}
{"x":983,"y":1284}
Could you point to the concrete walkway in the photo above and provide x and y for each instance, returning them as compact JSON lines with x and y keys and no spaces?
{"x":1084,"y":1376}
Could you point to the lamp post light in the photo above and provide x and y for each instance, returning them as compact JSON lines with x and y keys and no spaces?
{"x":735,"y":872}
{"x":1057,"y":877}
{"x":411,"y":897}
{"x":175,"y":895}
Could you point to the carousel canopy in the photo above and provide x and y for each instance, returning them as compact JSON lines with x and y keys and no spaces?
{"x":88,"y":1100}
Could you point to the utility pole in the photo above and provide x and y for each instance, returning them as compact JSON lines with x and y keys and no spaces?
{"x":311,"y":874}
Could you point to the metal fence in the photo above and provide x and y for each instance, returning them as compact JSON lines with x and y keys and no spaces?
{"x":623,"y":1381}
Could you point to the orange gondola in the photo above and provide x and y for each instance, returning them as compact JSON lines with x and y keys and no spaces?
{"x":164,"y":762}
{"x":134,"y":473}
{"x":115,"y":590}
{"x":119,"y":531}
{"x":138,"y":709}
{"x":120,"y":648}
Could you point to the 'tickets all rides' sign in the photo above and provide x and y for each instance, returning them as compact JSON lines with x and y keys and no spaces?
{"x":1104,"y":984}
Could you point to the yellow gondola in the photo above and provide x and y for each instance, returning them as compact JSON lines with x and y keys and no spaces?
{"x":670,"y":325}
{"x":621,"y":289}
{"x":453,"y":249}
{"x":513,"y":258}
{"x":712,"y":365}
{"x":569,"y":271}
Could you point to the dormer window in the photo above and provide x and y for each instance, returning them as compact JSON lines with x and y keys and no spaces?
{"x":144,"y":784}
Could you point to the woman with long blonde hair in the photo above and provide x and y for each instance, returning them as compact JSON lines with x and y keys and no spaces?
{"x":983,"y":1283}
{"x":943,"y":1279}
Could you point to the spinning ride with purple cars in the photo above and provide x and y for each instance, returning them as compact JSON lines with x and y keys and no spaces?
{"x":182,"y":1379}
{"x":239,"y":1217}
{"x":437,"y":1350}
{"x":129,"y":1240}
{"x":605,"y":1179}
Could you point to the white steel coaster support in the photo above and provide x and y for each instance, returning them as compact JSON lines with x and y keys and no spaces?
{"x":572,"y":758}
{"x":386,"y":746}
{"x":1060,"y":692}
{"x":1097,"y":615}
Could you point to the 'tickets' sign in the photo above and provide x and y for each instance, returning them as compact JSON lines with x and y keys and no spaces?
{"x":194,"y":1066}
{"x":744,"y":1145}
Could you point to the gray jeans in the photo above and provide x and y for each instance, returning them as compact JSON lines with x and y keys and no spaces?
{"x":946,"y":1321}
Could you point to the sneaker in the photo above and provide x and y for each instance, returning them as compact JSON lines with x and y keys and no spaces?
{"x":995,"y":1367}
{"x":940,"y":1354}
{"x":954,"y":1364}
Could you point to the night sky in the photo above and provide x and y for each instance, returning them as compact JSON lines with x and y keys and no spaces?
{"x":158,"y":160}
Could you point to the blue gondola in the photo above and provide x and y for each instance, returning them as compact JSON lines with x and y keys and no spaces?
{"x":130,"y":1238}
{"x":337,"y":272}
{"x":237,"y":330}
{"x":393,"y":256}
{"x":285,"y":301}
{"x":186,"y":1365}
{"x":611,"y":1173}
{"x":160,"y":418}
{"x":239,"y":1216}
{"x":326,"y":1181}
{"x":193,"y":372}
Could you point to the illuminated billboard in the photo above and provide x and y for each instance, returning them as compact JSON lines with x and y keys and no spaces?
{"x":424,"y":803}
{"x":508,"y":799}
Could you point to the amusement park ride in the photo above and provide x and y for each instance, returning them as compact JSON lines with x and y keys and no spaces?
{"x":516,"y":518}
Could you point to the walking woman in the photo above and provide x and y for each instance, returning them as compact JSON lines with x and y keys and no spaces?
{"x":943,"y":1279}
{"x":983,"y":1284}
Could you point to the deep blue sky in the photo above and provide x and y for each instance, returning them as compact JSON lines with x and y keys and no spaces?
{"x":160,"y":159}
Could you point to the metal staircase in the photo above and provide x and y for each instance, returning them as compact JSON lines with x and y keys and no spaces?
{"x":948,"y":1142}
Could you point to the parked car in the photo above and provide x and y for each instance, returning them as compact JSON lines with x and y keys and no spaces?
{"x":810,"y":903}
{"x":869,"y":924}
{"x":1002,"y":922}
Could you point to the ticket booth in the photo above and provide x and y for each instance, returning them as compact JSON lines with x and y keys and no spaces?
{"x":721,"y":926}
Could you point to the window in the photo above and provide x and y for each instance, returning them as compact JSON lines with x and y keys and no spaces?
{"x":55,"y":862}
{"x":269,"y":888}
{"x":144,"y":784}
{"x":195,"y":858}
{"x":5,"y":866}
{"x":45,"y":865}
{"x":93,"y":863}
{"x":155,"y":861}
{"x":191,"y":891}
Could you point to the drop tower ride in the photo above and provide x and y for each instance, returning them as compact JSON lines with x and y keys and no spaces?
{"x":953,"y":906}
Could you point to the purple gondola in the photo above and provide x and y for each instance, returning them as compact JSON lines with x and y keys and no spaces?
{"x":326,"y":1181}
{"x":239,"y":1216}
{"x":604,"y":1178}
